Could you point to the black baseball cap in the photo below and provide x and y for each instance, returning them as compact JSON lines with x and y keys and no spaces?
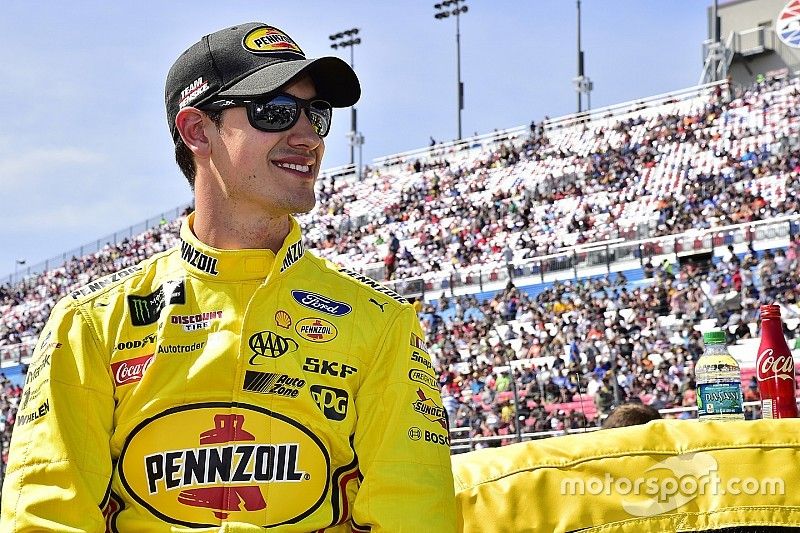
{"x":248,"y":60}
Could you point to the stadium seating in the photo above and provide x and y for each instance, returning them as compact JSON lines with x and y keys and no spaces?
{"x":711,"y":157}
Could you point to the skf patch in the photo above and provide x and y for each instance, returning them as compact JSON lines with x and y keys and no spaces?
{"x":316,"y":330}
{"x":328,"y":368}
{"x":269,"y":40}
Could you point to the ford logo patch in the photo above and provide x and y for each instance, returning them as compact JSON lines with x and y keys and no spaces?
{"x":321,"y":303}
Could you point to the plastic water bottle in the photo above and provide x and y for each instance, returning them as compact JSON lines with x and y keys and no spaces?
{"x":719,"y":381}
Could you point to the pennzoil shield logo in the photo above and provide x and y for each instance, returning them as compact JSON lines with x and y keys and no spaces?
{"x":222,"y":465}
{"x":316,"y":329}
{"x":269,"y":40}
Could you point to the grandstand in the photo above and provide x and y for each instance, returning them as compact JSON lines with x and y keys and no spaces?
{"x":561,"y":268}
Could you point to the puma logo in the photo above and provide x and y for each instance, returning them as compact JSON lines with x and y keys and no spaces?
{"x":376,"y":303}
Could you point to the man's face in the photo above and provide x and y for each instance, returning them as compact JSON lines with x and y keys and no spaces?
{"x":269,"y":172}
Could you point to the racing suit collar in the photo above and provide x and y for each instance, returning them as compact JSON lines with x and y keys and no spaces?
{"x":206,"y":261}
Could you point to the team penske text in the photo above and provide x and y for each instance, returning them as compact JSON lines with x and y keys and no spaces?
{"x":236,"y":463}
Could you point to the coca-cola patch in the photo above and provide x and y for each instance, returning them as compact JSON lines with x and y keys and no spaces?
{"x":130,"y":370}
{"x":774,"y":366}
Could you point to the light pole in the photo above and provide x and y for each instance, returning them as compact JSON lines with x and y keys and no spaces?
{"x":348,"y":39}
{"x":443,"y":11}
{"x":17,"y":264}
{"x":583,"y":85}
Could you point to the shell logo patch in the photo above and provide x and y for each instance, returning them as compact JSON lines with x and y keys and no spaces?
{"x":316,"y":329}
{"x":282,"y":319}
{"x":269,"y":40}
{"x":220,"y":466}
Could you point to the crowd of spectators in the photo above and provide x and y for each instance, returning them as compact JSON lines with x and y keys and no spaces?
{"x":724,"y":158}
{"x":720,"y":158}
{"x":578,"y":348}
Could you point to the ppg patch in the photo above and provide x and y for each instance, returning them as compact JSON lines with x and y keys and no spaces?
{"x":331,"y":401}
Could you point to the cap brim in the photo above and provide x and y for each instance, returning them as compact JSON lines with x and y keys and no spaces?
{"x":335,"y":81}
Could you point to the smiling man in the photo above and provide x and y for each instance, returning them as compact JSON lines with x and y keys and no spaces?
{"x":235,"y":382}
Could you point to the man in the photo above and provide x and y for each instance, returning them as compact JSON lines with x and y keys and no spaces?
{"x":235,"y":382}
{"x":630,"y":414}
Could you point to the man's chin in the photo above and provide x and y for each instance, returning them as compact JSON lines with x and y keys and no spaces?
{"x":303,"y":209}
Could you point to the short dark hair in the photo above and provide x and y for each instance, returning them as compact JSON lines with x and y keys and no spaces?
{"x":631,"y":414}
{"x":184,"y":156}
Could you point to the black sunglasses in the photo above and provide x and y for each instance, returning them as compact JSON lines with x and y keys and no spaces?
{"x":280,"y":112}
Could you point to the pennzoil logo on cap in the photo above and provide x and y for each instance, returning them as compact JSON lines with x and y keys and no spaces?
{"x":269,"y":40}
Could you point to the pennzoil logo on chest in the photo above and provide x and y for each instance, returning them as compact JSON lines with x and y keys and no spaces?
{"x":221,"y":463}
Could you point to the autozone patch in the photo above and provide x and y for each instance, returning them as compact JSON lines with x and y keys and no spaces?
{"x":272,"y":383}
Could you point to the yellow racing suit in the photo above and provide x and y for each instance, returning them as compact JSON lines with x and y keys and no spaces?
{"x":230,"y":390}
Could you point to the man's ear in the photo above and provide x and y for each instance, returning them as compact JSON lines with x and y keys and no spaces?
{"x":191,"y":126}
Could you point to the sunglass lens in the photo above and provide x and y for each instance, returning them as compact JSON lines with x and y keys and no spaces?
{"x":320,"y":116}
{"x":277,"y":114}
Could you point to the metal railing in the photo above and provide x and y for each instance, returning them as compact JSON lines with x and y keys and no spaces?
{"x":460,"y":444}
{"x":94,"y":246}
{"x":568,"y":263}
{"x":633,"y":105}
{"x":571,"y":260}
{"x":450,"y":147}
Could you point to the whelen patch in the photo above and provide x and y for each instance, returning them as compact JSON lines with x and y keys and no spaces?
{"x":269,"y":40}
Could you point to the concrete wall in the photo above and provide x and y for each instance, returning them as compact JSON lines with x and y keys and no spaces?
{"x":743,"y":15}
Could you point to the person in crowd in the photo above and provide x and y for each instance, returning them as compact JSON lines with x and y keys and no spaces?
{"x":630,"y":414}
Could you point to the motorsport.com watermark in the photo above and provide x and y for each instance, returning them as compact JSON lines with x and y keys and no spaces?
{"x":691,"y":475}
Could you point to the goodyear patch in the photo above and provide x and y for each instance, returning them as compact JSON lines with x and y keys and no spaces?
{"x":269,"y":40}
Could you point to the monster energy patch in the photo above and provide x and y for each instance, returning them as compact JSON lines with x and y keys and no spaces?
{"x":146,"y":309}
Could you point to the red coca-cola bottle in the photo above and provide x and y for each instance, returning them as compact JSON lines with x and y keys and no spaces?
{"x":775,"y":368}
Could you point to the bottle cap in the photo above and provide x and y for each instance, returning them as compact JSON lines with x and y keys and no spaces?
{"x":770,"y":311}
{"x":715,"y":336}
